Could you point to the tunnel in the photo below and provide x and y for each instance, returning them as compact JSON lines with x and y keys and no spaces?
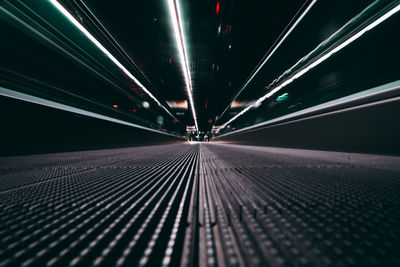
{"x":199,"y":133}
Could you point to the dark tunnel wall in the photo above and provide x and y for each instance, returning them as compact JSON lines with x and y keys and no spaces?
{"x":369,"y":128}
{"x":28,"y":128}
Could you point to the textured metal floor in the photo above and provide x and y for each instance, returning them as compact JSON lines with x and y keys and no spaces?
{"x":206,"y":205}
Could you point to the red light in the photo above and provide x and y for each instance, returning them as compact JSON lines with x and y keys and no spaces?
{"x":217,"y":8}
{"x":170,"y":61}
{"x":226,"y":31}
{"x":134,"y":110}
{"x":115,"y":106}
{"x":137,"y":90}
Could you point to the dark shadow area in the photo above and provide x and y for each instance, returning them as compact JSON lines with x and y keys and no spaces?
{"x":28,"y":128}
{"x":370,"y":129}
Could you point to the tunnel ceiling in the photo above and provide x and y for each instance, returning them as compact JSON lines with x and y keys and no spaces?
{"x":219,"y":61}
{"x":225,"y":43}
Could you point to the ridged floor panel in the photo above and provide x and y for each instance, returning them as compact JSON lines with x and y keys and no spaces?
{"x":200,"y":205}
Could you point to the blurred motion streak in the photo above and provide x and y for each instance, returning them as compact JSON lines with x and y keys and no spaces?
{"x":319,"y":60}
{"x":105,"y":51}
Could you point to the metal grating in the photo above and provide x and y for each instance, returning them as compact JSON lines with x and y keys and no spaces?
{"x":200,"y":205}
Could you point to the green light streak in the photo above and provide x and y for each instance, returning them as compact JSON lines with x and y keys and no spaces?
{"x":282,"y":97}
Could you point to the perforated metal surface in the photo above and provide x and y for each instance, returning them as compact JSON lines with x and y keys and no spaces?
{"x":200,"y":204}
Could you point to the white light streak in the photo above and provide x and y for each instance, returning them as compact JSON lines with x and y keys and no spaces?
{"x":260,"y":66}
{"x":317,"y":62}
{"x":176,"y":18}
{"x":105,"y":51}
{"x":56,"y":105}
{"x":280,"y":42}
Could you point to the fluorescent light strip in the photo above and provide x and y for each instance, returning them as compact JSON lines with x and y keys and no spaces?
{"x":317,"y":62}
{"x":105,"y":51}
{"x":176,"y":18}
{"x":56,"y":105}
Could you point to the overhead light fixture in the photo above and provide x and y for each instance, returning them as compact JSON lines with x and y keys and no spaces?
{"x":145,"y":104}
{"x":175,"y":12}
{"x":105,"y":51}
{"x":317,"y":62}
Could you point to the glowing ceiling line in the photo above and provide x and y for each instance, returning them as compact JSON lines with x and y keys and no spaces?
{"x":105,"y":51}
{"x":56,"y":105}
{"x":176,"y":18}
{"x":279,"y":44}
{"x":321,"y":44}
{"x":123,"y":51}
{"x":317,"y":62}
